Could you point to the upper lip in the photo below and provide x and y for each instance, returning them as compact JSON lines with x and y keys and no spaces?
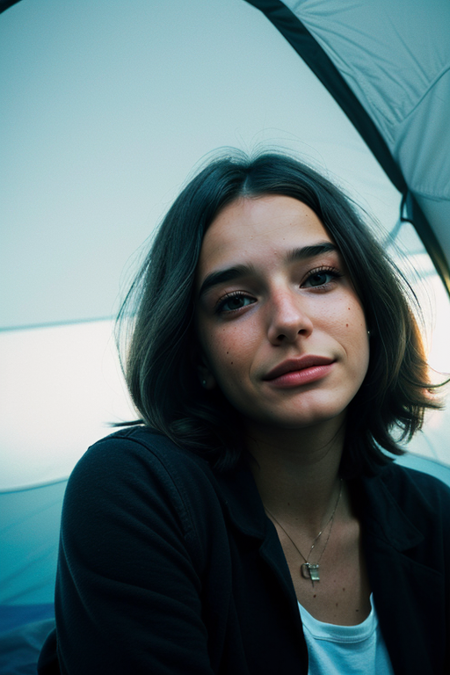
{"x":299,"y":363}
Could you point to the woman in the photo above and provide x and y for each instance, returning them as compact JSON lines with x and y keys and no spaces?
{"x":252,"y":522}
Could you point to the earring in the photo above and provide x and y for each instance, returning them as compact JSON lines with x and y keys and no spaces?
{"x":204,"y":383}
{"x":368,"y":333}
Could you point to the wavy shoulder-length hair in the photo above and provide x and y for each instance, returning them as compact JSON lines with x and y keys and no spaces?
{"x":160,"y":361}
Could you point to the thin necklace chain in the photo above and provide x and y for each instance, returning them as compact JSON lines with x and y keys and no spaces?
{"x":331,"y":520}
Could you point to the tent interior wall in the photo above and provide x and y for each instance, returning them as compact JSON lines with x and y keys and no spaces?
{"x":107,"y":107}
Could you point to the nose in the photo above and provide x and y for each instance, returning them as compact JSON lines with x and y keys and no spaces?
{"x":288,"y":319}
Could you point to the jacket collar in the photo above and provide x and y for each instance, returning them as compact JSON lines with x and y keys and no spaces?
{"x":381,"y":513}
{"x":240,"y":496}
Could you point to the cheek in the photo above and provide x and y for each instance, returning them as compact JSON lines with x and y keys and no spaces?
{"x":348,"y":314}
{"x":351,"y":330}
{"x":220,"y":350}
{"x":357,"y":339}
{"x":230,"y":354}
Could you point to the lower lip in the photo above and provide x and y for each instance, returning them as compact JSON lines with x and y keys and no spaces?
{"x":298,"y":377}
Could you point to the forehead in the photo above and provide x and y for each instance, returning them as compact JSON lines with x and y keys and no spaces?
{"x":261,"y":228}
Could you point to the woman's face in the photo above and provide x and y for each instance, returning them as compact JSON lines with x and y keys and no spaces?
{"x":281,"y":330}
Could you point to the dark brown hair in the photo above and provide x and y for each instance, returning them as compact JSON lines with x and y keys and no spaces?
{"x":159,"y":365}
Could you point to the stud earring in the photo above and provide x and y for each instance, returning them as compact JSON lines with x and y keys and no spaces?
{"x":204,"y":383}
{"x":368,"y":333}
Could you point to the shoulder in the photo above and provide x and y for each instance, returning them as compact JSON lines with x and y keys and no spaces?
{"x":423,"y":499}
{"x":142,"y":534}
{"x":137,"y":475}
{"x":142,"y":454}
{"x":139,"y":442}
{"x":407,"y":484}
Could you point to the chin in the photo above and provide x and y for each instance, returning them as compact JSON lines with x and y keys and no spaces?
{"x":313,"y":414}
{"x":296,"y":421}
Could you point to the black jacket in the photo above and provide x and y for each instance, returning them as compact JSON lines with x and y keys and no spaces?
{"x":167,"y":567}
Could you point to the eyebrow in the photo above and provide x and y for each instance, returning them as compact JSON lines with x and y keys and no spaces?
{"x":231,"y":273}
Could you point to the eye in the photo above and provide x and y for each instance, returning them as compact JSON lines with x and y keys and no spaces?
{"x":233,"y":302}
{"x":321,"y":277}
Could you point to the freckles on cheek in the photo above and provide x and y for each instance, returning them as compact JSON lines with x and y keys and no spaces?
{"x":222,"y":350}
{"x":346,"y":320}
{"x":230,"y":362}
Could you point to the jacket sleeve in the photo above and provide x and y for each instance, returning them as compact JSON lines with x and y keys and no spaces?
{"x":128,"y":596}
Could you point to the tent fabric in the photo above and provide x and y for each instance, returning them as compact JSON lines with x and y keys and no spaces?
{"x":20,"y":647}
{"x":29,"y":538}
{"x":62,"y":390}
{"x":383,"y":51}
{"x":107,"y":109}
{"x":396,"y":91}
{"x":28,"y":549}
{"x":302,"y":40}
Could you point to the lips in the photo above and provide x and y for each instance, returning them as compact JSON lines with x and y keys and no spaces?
{"x":297,"y":364}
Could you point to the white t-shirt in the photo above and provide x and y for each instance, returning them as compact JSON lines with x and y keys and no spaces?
{"x":353,"y":650}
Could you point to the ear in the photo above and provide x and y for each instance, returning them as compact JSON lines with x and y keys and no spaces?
{"x":207,"y":379}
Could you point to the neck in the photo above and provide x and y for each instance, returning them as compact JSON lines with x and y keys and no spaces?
{"x":297,"y":472}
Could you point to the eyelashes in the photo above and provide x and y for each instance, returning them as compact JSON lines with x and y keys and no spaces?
{"x":315,"y":277}
{"x":319,"y":278}
{"x":235,"y":301}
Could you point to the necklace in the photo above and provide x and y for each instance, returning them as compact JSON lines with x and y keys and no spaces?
{"x":311,"y":570}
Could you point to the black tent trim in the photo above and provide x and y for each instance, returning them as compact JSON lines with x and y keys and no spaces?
{"x":307,"y":47}
{"x":5,"y":4}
